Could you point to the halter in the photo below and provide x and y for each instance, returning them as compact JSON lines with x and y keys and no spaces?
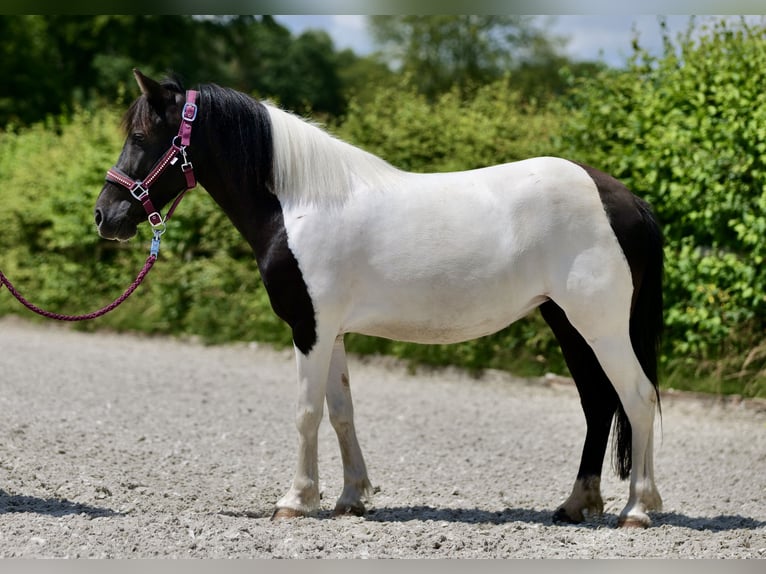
{"x":139,"y":189}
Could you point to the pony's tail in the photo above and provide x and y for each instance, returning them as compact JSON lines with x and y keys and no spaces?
{"x":645,"y":332}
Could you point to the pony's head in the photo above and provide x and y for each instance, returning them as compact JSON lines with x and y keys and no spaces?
{"x":151,"y":124}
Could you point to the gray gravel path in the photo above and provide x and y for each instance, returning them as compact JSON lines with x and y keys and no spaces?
{"x":119,"y":446}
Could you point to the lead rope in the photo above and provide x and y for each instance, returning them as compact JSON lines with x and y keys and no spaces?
{"x":95,"y":314}
{"x":154,"y":251}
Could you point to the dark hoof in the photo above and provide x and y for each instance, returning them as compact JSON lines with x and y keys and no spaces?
{"x":349,"y":510}
{"x":561,"y":517}
{"x":285,"y":513}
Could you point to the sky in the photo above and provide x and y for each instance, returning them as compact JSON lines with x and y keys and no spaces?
{"x":605,"y":38}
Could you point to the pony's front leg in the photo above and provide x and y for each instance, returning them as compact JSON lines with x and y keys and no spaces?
{"x":303,"y":497}
{"x":356,"y":484}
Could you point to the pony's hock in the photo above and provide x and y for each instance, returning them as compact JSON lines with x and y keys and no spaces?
{"x":345,"y":243}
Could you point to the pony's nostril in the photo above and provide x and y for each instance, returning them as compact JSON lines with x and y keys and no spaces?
{"x":99,"y":217}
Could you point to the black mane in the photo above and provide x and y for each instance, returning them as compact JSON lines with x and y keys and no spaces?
{"x":238,"y":132}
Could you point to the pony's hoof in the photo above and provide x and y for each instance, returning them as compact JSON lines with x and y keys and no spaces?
{"x":349,"y":510}
{"x":633,"y":522}
{"x":285,"y":513}
{"x":561,"y":516}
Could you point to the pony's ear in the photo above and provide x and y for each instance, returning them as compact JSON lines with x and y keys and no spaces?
{"x":157,"y":96}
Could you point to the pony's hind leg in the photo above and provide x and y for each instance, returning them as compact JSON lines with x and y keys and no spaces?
{"x":611,"y":345}
{"x":599,"y":402}
{"x":639,"y":401}
{"x":356,"y":484}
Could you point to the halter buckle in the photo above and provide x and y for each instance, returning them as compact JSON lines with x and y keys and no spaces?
{"x":189,"y":112}
{"x":139,"y":191}
{"x":156,"y":221}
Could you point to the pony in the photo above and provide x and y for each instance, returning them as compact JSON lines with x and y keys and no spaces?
{"x":345,"y":242}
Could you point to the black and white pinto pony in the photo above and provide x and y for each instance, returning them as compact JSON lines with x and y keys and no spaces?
{"x":346,"y":243}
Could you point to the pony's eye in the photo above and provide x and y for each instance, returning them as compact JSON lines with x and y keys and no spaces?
{"x":138,"y":138}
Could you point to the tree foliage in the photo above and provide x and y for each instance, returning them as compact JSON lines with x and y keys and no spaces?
{"x":451,"y":133}
{"x":464,"y":52}
{"x":54,"y":63}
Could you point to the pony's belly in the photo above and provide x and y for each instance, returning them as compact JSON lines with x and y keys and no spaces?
{"x":425,"y":333}
{"x":438,"y":328}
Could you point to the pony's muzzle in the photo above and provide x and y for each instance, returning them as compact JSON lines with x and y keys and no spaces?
{"x":113,"y":221}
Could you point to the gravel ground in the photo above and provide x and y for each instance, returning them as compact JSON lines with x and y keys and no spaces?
{"x":116,"y":446}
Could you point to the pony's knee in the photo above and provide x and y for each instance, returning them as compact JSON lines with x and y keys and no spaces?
{"x":641,"y":405}
{"x":340,"y":407}
{"x":307,"y":419}
{"x":342,"y":421}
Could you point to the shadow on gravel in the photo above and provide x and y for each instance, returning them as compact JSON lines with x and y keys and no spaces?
{"x":545,"y":517}
{"x":719,"y":523}
{"x":466,"y":515}
{"x":49,"y":506}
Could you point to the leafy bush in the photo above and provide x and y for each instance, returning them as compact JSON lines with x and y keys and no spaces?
{"x":206,"y":282}
{"x":687,"y":131}
{"x":451,"y":134}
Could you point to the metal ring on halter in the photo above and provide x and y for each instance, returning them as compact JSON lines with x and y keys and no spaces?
{"x":158,"y":228}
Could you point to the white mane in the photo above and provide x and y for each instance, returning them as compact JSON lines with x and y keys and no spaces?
{"x":310,"y":165}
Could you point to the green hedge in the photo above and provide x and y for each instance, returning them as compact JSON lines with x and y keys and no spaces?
{"x":206,"y":283}
{"x":686,"y":131}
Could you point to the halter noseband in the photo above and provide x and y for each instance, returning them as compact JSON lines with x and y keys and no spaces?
{"x":140,"y":189}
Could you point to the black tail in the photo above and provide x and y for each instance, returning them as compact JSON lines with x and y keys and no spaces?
{"x":646,"y":325}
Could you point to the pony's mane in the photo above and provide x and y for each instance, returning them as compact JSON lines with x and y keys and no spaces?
{"x":241,"y":127}
{"x":311,"y":165}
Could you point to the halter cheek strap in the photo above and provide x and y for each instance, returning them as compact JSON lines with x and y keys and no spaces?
{"x":139,"y":189}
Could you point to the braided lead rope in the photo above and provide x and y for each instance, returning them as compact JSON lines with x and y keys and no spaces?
{"x":103,"y":311}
